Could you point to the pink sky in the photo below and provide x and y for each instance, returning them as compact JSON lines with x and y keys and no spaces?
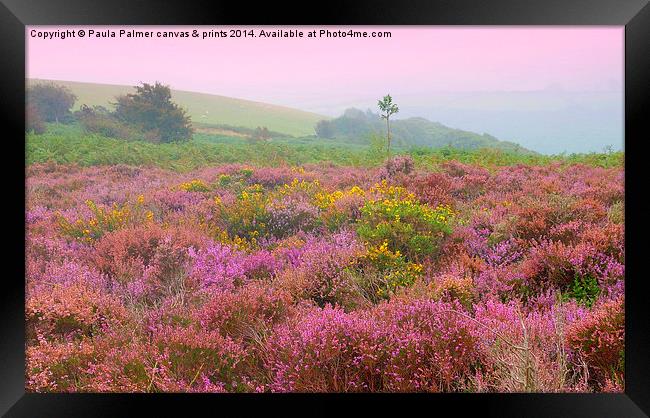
{"x":414,"y":62}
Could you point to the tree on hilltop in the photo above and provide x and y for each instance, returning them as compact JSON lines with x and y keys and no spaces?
{"x":151,"y":110}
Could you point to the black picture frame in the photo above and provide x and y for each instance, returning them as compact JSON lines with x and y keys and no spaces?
{"x":633,"y":14}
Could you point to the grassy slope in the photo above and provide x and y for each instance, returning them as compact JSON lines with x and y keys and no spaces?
{"x":68,"y":144}
{"x":208,"y":108}
{"x":355,"y":125}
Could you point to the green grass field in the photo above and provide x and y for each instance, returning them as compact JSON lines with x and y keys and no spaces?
{"x":207,"y":108}
{"x":69,"y":144}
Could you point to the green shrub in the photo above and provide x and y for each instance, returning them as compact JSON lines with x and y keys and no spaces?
{"x":410,"y":227}
{"x":584,"y":290}
{"x":52,"y":102}
{"x":195,"y":185}
{"x":98,"y":120}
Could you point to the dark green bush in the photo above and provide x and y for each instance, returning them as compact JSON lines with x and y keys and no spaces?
{"x":151,"y":110}
{"x":98,"y":120}
{"x":52,"y":102}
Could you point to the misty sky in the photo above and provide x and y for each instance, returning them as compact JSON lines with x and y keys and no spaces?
{"x":551,"y":89}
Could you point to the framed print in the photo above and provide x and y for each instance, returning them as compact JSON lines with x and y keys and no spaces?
{"x":374,"y":203}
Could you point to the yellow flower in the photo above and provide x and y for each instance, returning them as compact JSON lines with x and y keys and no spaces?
{"x":194,"y":186}
{"x":357,"y":190}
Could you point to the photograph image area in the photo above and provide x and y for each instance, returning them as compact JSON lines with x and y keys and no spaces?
{"x":324,"y":209}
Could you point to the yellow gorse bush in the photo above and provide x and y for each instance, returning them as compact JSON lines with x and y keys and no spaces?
{"x":324,"y":200}
{"x":105,"y":220}
{"x":252,"y":192}
{"x":395,"y":209}
{"x":308,"y":187}
{"x":242,"y":222}
{"x":399,"y":278}
{"x":395,"y":270}
{"x":397,"y":201}
{"x":237,"y":242}
{"x":382,"y":253}
{"x":224,"y":179}
{"x":394,"y":215}
{"x":387,"y":212}
{"x":195,"y":185}
{"x":386,"y":191}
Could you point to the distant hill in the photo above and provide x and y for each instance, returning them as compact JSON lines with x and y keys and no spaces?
{"x":207,"y":108}
{"x":356,"y":125}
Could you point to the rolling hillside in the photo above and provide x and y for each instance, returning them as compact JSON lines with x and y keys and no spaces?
{"x":355,"y":125}
{"x":208,"y":108}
